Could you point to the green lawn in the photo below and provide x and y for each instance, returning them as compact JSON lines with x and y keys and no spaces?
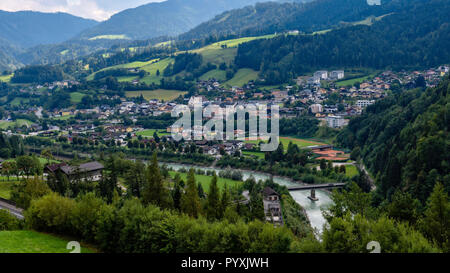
{"x":206,"y":180}
{"x":351,"y":170}
{"x":150,"y":132}
{"x":159,"y":94}
{"x":76,"y":97}
{"x":25,"y":241}
{"x":153,"y":68}
{"x":242,"y":76}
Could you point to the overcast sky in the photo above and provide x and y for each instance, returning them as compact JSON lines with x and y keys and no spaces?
{"x":94,"y":9}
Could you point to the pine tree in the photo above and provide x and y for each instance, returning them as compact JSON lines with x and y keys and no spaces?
{"x":176,"y":193}
{"x":155,"y":192}
{"x":225,"y":201}
{"x":213,"y":206}
{"x":190,"y":203}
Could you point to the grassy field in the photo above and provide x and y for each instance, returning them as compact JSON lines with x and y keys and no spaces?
{"x":206,"y":180}
{"x":160,"y":94}
{"x":76,"y":97}
{"x":149,"y":133}
{"x":351,"y":82}
{"x":217,"y":74}
{"x":153,"y":67}
{"x":351,"y":170}
{"x":6,"y":78}
{"x":66,"y":117}
{"x":259,"y":155}
{"x":301,"y":143}
{"x":25,"y":241}
{"x":20,"y":122}
{"x":242,"y":76}
{"x":215,"y":54}
{"x":127,"y":65}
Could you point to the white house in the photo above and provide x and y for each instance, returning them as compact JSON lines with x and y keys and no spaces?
{"x":337,"y":74}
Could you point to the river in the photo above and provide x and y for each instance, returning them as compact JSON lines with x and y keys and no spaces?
{"x":313,"y":209}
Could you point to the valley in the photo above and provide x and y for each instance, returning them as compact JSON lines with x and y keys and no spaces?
{"x":136,"y":134}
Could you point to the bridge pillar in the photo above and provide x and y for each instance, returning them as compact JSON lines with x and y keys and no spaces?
{"x":313,"y":197}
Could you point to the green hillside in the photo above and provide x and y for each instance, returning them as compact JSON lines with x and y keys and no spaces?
{"x":242,"y":76}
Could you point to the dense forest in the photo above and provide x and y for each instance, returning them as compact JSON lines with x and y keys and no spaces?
{"x":38,"y":74}
{"x":418,"y":36}
{"x":404,"y":141}
{"x":272,"y":17}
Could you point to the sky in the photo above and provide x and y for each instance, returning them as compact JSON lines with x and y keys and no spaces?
{"x":93,"y":9}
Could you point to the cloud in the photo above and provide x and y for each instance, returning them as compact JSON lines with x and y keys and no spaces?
{"x":94,"y":9}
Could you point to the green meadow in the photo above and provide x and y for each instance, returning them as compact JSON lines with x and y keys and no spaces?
{"x":27,"y":241}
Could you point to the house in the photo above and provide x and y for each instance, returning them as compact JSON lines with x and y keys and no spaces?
{"x":316,"y":108}
{"x":321,"y":75}
{"x":337,"y":74}
{"x":272,"y":206}
{"x":92,"y":171}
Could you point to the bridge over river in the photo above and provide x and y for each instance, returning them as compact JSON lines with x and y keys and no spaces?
{"x":315,"y":187}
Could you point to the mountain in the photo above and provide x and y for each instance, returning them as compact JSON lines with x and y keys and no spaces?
{"x":168,"y":18}
{"x":416,"y":36}
{"x":271,"y":17}
{"x":29,"y":28}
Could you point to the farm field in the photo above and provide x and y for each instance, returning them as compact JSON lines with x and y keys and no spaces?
{"x":206,"y":180}
{"x":136,"y":64}
{"x":19,"y":123}
{"x":153,"y":68}
{"x":149,"y":133}
{"x":217,"y":74}
{"x":159,"y":94}
{"x":242,"y":77}
{"x":6,"y":78}
{"x":26,"y":241}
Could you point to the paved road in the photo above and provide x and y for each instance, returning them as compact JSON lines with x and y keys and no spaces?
{"x":12,"y":209}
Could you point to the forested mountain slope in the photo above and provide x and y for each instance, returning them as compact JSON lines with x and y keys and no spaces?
{"x":404,"y":140}
{"x":271,"y":17}
{"x":417,"y":36}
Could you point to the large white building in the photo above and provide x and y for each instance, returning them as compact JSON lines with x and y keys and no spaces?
{"x":323,"y":75}
{"x":335,"y":121}
{"x":337,"y":74}
{"x":364,"y":103}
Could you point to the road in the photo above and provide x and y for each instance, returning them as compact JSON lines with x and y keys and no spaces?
{"x":12,"y":209}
